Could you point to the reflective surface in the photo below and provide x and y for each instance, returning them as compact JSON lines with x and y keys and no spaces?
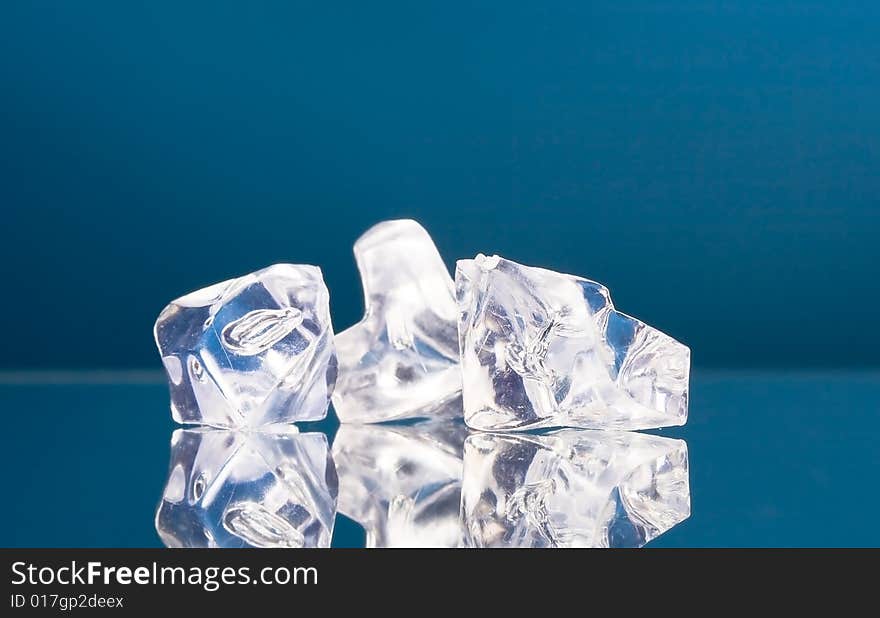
{"x":782,"y":459}
{"x":426,"y":484}
{"x":248,"y":489}
{"x":402,"y":483}
{"x":572,"y":488}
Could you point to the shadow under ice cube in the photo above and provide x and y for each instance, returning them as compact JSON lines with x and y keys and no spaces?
{"x":248,"y":489}
{"x":251,"y":351}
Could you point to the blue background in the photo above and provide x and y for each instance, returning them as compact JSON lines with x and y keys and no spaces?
{"x":716,"y":164}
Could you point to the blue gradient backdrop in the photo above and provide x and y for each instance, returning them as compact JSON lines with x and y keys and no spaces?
{"x":716,"y":164}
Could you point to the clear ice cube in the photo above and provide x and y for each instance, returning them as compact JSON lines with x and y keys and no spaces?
{"x":572,"y":488}
{"x":251,"y":351}
{"x":402,"y":483}
{"x":401,"y":360}
{"x":248,"y":489}
{"x":545,"y":349}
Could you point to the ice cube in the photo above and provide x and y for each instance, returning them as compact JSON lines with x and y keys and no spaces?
{"x":251,"y":351}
